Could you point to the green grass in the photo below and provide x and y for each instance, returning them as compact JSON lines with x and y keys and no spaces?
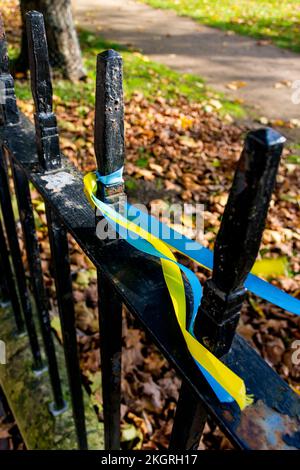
{"x":293,"y":159}
{"x":272,"y":19}
{"x":140,"y":75}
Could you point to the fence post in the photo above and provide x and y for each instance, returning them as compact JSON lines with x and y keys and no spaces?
{"x":235,"y":251}
{"x":49,"y":159}
{"x":238,"y":239}
{"x":110,"y":154}
{"x":47,"y":139}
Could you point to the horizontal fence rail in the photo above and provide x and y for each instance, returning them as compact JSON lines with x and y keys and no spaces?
{"x":126,"y":276}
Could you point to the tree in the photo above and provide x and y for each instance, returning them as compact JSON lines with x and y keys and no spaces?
{"x":64,"y":49}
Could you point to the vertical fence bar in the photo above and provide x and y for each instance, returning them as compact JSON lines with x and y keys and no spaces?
{"x":37,"y":282}
{"x":235,"y":251}
{"x":49,"y":158}
{"x":189,"y":421}
{"x":4,"y":293}
{"x":8,"y":217}
{"x":63,"y":284}
{"x":110,"y":325}
{"x":10,"y":282}
{"x":110,"y":154}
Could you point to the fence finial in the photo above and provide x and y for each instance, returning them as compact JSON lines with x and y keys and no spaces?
{"x":238,"y":239}
{"x":109,"y":122}
{"x":8,"y":104}
{"x":45,"y":120}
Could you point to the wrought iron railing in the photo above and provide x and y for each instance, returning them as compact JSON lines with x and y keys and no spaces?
{"x":126,"y":276}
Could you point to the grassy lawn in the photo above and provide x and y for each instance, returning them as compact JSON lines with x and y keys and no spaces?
{"x":141,"y":75}
{"x":276,"y":20}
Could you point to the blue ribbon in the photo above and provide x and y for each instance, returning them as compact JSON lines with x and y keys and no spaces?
{"x":199,"y":253}
{"x":112,"y":178}
{"x":204,"y":256}
{"x":144,"y":246}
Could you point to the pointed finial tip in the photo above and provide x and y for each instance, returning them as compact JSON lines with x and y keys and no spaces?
{"x":33,"y":14}
{"x":109,"y":54}
{"x":266,"y":136}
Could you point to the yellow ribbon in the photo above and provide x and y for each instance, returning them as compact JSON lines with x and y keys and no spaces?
{"x":231,"y":382}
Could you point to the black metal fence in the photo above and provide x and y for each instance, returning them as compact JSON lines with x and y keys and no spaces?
{"x":32,"y":154}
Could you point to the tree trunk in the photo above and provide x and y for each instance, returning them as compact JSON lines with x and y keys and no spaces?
{"x":64,"y":49}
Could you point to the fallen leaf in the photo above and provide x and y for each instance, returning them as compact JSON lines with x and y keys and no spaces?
{"x":236,"y":85}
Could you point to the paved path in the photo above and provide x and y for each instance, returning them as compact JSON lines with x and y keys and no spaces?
{"x":186,"y":46}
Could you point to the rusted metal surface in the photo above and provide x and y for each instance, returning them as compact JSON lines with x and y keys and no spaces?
{"x":265,"y":429}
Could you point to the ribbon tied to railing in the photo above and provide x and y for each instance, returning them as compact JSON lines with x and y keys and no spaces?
{"x":226,"y":385}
